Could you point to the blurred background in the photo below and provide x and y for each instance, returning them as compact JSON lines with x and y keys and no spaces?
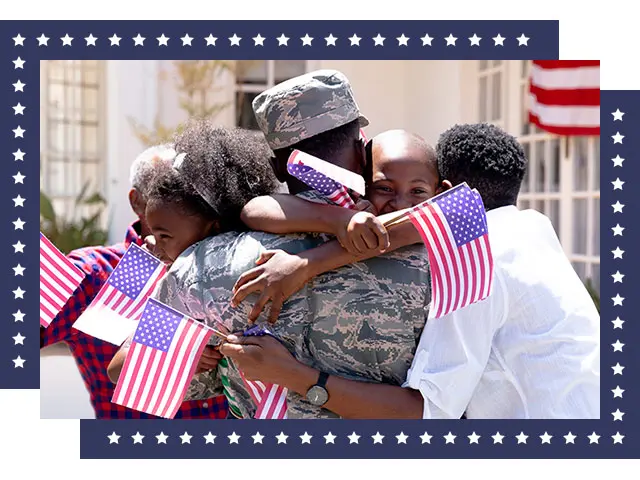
{"x":97,"y":116}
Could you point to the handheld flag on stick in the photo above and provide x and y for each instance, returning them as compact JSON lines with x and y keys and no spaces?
{"x":270,"y":399}
{"x":59,"y":278}
{"x":112,"y":316}
{"x":161,"y":361}
{"x":453,"y":227}
{"x":328,"y":179}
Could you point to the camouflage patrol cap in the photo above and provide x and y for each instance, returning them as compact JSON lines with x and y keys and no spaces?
{"x":305,"y":106}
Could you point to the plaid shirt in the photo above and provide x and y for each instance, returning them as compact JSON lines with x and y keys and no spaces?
{"x":93,"y":355}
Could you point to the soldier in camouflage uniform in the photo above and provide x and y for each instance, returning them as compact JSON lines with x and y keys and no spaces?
{"x":360,"y":322}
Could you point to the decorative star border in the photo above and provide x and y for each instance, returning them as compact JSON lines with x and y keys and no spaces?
{"x":23,"y":44}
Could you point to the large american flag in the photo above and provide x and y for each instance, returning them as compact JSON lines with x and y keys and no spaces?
{"x":270,"y":399}
{"x":161,"y":361}
{"x":453,"y":227}
{"x":564,"y":96}
{"x":330,"y":180}
{"x":120,"y":302}
{"x":59,"y":278}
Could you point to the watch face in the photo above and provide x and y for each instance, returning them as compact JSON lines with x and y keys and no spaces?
{"x":317,"y":396}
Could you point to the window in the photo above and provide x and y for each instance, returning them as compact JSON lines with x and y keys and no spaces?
{"x":255,"y":76}
{"x":563,"y":175}
{"x":71,"y":123}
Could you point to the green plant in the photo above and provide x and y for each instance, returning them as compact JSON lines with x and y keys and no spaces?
{"x":593,"y":292}
{"x":76,"y":231}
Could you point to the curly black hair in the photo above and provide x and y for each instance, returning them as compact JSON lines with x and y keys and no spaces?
{"x":226,"y":166}
{"x":487,"y":158}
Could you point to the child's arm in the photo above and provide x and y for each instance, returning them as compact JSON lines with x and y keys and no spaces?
{"x":279,"y":274}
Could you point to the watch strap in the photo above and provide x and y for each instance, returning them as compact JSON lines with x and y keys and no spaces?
{"x":322,"y":379}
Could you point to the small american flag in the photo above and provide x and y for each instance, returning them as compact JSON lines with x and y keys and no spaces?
{"x":271,"y":399}
{"x":453,"y":227}
{"x":59,"y":278}
{"x":564,"y":96}
{"x":111,"y":316}
{"x":330,"y":180}
{"x":161,"y":361}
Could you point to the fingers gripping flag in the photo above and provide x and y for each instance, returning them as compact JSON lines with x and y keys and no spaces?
{"x":453,"y":227}
{"x":59,"y":278}
{"x":161,"y":361}
{"x":112,"y":316}
{"x":270,"y":399}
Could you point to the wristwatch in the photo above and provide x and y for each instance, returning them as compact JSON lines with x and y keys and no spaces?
{"x":318,"y":395}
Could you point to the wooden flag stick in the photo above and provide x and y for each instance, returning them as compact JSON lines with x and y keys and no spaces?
{"x":395,"y":219}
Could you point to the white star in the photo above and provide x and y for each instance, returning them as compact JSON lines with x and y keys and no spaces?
{"x":617,"y":369}
{"x":353,"y":438}
{"x":546,"y":438}
{"x":18,"y":201}
{"x":18,"y":247}
{"x":306,"y":40}
{"x":498,"y":40}
{"x":115,"y":40}
{"x":138,"y":40}
{"x":18,"y":362}
{"x":377,"y":438}
{"x":209,"y":438}
{"x":18,"y":316}
{"x":162,"y":438}
{"x":450,"y":437}
{"x":522,"y":438}
{"x":593,"y":438}
{"x":617,"y":415}
{"x":19,"y":270}
{"x":522,"y":40}
{"x":617,"y":438}
{"x":18,"y":109}
{"x":617,"y":300}
{"x":19,"y":178}
{"x":475,"y":40}
{"x":617,"y":323}
{"x":19,"y":339}
{"x":258,"y":40}
{"x":617,"y":161}
{"x":18,"y":155}
{"x":331,"y":40}
{"x":497,"y":438}
{"x":426,"y":40}
{"x":19,"y":132}
{"x":233,"y":438}
{"x":235,"y":40}
{"x":617,"y":184}
{"x":617,"y":207}
{"x":66,"y":40}
{"x":137,"y":438}
{"x":113,"y":438}
{"x":617,"y":138}
{"x":617,"y":230}
{"x":186,"y":40}
{"x":330,"y":438}
{"x":473,"y":438}
{"x":162,"y":40}
{"x":451,"y":40}
{"x":617,"y":392}
{"x":402,"y":40}
{"x":426,"y":438}
{"x":282,"y":438}
{"x":306,"y":438}
{"x":18,"y":293}
{"x":617,"y":115}
{"x":18,"y":63}
{"x":257,"y":438}
{"x":186,"y":438}
{"x":42,"y":40}
{"x":91,"y":40}
{"x":378,"y":40}
{"x":617,"y":277}
{"x":402,"y":438}
{"x":211,"y":40}
{"x":617,"y":253}
{"x":570,"y":437}
{"x":18,"y":40}
{"x":18,"y":86}
{"x":355,"y":40}
{"x":282,"y":40}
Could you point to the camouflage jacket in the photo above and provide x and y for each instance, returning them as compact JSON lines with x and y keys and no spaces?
{"x":361,"y":322}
